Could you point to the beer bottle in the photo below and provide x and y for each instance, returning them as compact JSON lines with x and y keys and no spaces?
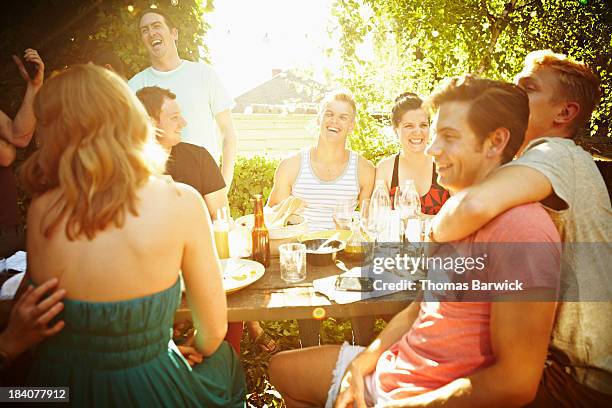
{"x":260,"y":235}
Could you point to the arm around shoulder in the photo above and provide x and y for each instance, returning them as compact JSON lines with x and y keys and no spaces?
{"x":520,"y":332}
{"x":470,"y":209}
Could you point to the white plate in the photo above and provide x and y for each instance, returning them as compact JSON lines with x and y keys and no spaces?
{"x":240,"y":273}
{"x":300,"y":226}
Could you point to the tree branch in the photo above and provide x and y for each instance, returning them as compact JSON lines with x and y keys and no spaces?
{"x":485,"y":8}
{"x":497,"y":28}
{"x":531,"y":3}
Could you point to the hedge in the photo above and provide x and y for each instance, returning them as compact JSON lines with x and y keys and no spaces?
{"x":254,"y":175}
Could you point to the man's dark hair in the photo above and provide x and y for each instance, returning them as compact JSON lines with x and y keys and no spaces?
{"x":103,"y":56}
{"x":162,"y":13}
{"x":405,"y":102}
{"x":152,"y":98}
{"x":494,"y":105}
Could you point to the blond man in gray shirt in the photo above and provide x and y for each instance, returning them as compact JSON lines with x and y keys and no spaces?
{"x":553,"y":170}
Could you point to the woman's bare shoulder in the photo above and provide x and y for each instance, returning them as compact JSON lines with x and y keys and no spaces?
{"x":43,"y":203}
{"x":386,"y":163}
{"x":180,"y":195}
{"x":384,"y":168}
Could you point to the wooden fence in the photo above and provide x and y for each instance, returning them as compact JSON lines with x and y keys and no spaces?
{"x":274,"y":134}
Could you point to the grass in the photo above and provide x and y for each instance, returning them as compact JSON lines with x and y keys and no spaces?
{"x":260,"y":393}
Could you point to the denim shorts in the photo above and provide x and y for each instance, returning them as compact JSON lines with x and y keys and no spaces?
{"x":346,"y":355}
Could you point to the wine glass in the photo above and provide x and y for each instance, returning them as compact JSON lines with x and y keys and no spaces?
{"x":397,"y":198}
{"x":408,"y":203}
{"x":342,"y":213}
{"x":375,"y":215}
{"x":367,"y":224}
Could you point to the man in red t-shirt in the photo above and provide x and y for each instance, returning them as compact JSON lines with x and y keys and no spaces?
{"x":479,"y":347}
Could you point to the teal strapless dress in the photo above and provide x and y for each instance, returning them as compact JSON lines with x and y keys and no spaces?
{"x":120,"y":354}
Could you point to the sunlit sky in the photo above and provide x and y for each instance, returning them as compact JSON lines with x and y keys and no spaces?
{"x":249,"y":38}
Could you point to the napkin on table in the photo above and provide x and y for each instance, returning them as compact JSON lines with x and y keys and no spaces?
{"x":17,"y":262}
{"x":327,"y":286}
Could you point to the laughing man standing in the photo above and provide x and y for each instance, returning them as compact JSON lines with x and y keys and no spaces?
{"x":198,"y":89}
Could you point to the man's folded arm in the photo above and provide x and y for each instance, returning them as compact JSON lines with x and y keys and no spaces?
{"x":391,"y":334}
{"x":520,"y":333}
{"x":470,"y":209}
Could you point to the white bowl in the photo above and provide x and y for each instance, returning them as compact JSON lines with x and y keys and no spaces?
{"x":299,"y":227}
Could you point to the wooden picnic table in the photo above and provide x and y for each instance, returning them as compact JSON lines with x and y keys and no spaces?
{"x":271,"y":298}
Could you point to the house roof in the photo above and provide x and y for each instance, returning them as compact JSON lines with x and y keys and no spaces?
{"x":283,"y":89}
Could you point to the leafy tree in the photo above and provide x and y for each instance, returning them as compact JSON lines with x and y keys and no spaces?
{"x":121,"y":30}
{"x":417,"y":43}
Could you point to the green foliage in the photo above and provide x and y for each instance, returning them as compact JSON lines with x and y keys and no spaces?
{"x":120,"y":29}
{"x":417,"y":43}
{"x":336,"y":331}
{"x":260,"y":392}
{"x":68,"y":32}
{"x":253,"y":175}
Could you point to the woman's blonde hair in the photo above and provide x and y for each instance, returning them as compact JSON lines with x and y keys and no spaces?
{"x":97,"y":148}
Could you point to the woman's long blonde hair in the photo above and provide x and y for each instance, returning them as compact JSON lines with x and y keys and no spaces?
{"x":97,"y":148}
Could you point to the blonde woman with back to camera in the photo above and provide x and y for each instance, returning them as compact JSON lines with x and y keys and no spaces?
{"x":115,"y":233}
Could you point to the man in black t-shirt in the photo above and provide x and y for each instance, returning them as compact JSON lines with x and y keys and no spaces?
{"x":193,"y":165}
{"x":189,"y":164}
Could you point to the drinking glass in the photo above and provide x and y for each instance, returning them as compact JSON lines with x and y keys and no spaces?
{"x":375,"y":217}
{"x":343,"y":211}
{"x":292,"y":262}
{"x":367,"y":223}
{"x":407,"y":203}
{"x":416,"y":228}
{"x":397,"y":199}
{"x":398,"y":203}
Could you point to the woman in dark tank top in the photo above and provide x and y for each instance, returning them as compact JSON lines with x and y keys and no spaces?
{"x":411,"y":125}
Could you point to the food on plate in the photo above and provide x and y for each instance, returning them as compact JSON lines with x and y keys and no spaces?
{"x":237,"y":271}
{"x":240,"y":276}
